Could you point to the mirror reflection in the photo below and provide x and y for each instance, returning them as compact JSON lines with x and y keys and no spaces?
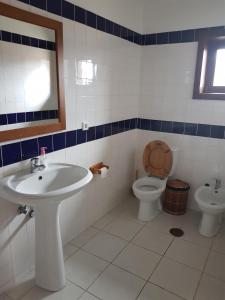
{"x":28,"y":77}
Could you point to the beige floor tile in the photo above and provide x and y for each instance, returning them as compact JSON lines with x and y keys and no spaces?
{"x":188,"y":253}
{"x":131,"y":213}
{"x":70,"y":292}
{"x":216,"y":265}
{"x":176,"y":278}
{"x":106,"y":219}
{"x":23,"y":284}
{"x":152,"y":292}
{"x":191,"y":217}
{"x":137,"y":260}
{"x":4,"y":297}
{"x":210,"y":289}
{"x":105,"y":246}
{"x":191,"y":234}
{"x":153,"y":240}
{"x":219,"y":242}
{"x":127,"y":204}
{"x":83,"y":268}
{"x":123,"y":228}
{"x":115,"y":213}
{"x":69,"y":250}
{"x":115,"y":284}
{"x":164,"y":222}
{"x":84,"y":237}
{"x":87,"y":296}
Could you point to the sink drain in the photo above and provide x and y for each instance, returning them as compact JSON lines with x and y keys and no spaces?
{"x":177,"y":232}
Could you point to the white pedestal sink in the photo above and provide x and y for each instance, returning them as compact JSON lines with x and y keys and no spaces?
{"x":44,"y":191}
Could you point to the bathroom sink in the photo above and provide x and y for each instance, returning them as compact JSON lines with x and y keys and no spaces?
{"x":55,"y":183}
{"x":44,"y":191}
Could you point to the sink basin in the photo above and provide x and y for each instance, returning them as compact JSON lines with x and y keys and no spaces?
{"x":55,"y":183}
{"x":44,"y":191}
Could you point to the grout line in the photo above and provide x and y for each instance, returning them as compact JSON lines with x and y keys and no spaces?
{"x":164,"y":289}
{"x":127,"y":244}
{"x":111,"y":263}
{"x":160,"y":260}
{"x":202,"y":272}
{"x":25,"y":293}
{"x":81,"y":295}
{"x":90,"y":294}
{"x":113,"y":218}
{"x":6,"y":295}
{"x":182,"y":263}
{"x":107,"y":266}
{"x":214,"y":277}
{"x":76,"y":249}
{"x":156,"y":266}
{"x":164,"y":256}
{"x":194,"y":243}
{"x":80,"y":246}
{"x":130,"y":242}
{"x":76,"y":284}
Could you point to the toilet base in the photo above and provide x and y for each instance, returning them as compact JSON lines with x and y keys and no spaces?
{"x":210,"y":224}
{"x":148,"y":210}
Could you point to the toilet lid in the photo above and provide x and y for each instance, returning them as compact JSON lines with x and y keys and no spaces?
{"x":157,"y":159}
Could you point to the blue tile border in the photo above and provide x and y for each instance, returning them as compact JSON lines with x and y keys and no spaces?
{"x":78,"y":14}
{"x":180,"y":36}
{"x":75,"y":13}
{"x":31,"y":116}
{"x":25,"y":40}
{"x":185,"y":128}
{"x":19,"y":151}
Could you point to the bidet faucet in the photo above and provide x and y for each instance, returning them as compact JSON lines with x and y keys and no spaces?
{"x":35,"y":165}
{"x":217,"y":183}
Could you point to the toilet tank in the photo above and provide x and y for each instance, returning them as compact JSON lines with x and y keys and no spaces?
{"x":175,"y":154}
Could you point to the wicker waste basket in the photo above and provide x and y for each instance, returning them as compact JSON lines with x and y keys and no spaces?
{"x":176,"y":197}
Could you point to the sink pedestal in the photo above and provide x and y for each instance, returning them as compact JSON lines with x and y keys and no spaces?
{"x":44,"y":191}
{"x":49,"y":262}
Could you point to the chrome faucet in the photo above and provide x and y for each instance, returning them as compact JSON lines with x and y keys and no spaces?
{"x":217,"y":184}
{"x":35,"y":165}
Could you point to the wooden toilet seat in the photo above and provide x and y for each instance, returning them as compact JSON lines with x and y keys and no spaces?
{"x":157,"y":159}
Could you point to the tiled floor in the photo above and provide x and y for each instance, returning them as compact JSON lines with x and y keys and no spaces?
{"x":121,"y":258}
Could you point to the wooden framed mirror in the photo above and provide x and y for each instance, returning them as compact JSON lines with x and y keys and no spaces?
{"x":31,"y":77}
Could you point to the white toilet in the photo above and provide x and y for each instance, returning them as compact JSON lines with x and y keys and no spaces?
{"x":159,"y":163}
{"x":211,"y":202}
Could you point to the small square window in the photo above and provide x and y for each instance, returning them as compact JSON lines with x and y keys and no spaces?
{"x":219,"y":73}
{"x":210,"y":69}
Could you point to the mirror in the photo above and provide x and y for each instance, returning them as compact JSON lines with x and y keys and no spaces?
{"x":31,"y":81}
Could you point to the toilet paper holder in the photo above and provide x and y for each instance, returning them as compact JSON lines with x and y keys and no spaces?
{"x":96,"y":169}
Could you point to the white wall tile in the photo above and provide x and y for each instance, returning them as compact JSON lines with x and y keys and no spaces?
{"x":154,"y":82}
{"x":113,"y":95}
{"x":166,"y":94}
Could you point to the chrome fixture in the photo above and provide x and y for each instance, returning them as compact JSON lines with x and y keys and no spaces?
{"x":22,"y":209}
{"x":217,"y":184}
{"x":36,"y":166}
{"x":25,"y":210}
{"x":31,"y":213}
